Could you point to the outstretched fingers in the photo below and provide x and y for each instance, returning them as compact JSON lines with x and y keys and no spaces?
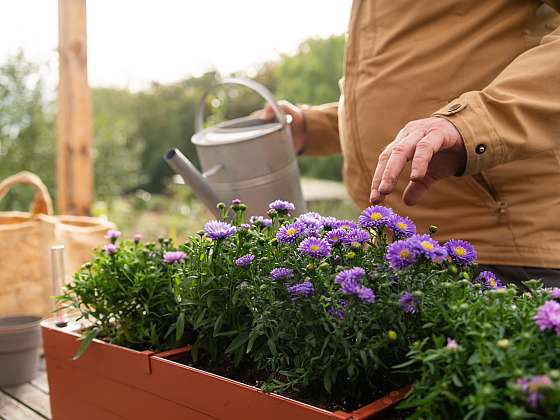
{"x":426,"y":148}
{"x":416,"y":189}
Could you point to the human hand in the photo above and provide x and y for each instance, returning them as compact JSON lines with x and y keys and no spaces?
{"x":436,"y":149}
{"x":297,"y":125}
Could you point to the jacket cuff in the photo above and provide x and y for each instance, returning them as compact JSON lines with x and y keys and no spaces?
{"x":321,"y":130}
{"x":485,"y":149}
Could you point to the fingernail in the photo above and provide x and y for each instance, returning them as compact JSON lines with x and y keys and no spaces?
{"x":374,"y":195}
{"x":414,"y":174}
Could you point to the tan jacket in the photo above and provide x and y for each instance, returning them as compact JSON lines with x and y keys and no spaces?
{"x":492,"y":68}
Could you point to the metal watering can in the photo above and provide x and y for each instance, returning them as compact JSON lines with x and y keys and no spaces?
{"x":245,"y":158}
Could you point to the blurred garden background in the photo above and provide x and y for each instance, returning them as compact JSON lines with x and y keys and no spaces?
{"x":133,"y":128}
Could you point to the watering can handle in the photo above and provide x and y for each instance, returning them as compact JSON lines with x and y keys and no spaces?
{"x":251,"y":84}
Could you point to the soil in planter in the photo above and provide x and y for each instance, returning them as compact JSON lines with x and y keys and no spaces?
{"x":250,"y":376}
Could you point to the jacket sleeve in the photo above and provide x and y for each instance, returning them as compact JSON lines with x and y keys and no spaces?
{"x":518,"y":114}
{"x":321,"y":130}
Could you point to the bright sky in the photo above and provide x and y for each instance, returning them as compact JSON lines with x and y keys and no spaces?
{"x":133,"y":42}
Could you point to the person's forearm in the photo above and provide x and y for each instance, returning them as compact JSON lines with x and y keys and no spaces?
{"x":321,"y":130}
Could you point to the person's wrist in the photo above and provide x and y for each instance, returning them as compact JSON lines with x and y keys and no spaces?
{"x":301,"y":148}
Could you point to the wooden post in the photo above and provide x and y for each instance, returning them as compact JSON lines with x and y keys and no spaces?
{"x":74,"y":173}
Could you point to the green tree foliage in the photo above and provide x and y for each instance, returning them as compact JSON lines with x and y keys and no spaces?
{"x":132,"y":131}
{"x":117,"y":148}
{"x":26,"y":128}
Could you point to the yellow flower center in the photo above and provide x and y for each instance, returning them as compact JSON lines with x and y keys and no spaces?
{"x":492,"y":283}
{"x":427,"y":245}
{"x":404,"y":253}
{"x":375,"y":216}
{"x":314,"y":247}
{"x":334,"y":239}
{"x":402,"y":226}
{"x":291,"y":231}
{"x":460,"y":251}
{"x":345,"y":227}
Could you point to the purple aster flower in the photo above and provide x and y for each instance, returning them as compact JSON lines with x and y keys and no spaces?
{"x":330,"y":222}
{"x":401,"y":254}
{"x":245,"y":260}
{"x":336,"y":236}
{"x":555,"y":293}
{"x":345,"y":224}
{"x":113,"y":235}
{"x":350,"y":287}
{"x":110,"y":249}
{"x":313,"y":223}
{"x":452,"y":344}
{"x":354,"y":273}
{"x":425,"y":245}
{"x":349,"y":280}
{"x":235,"y":202}
{"x":408,"y":303}
{"x":245,"y":226}
{"x":338,"y":309}
{"x":401,"y":226}
{"x":315,"y":248}
{"x":489,"y":280}
{"x":137,"y":237}
{"x":289,"y":234}
{"x":375,"y":216}
{"x":304,"y":289}
{"x":282,"y":207}
{"x":174,"y":257}
{"x":532,"y":386}
{"x":365,"y":294}
{"x":548,"y":316}
{"x":461,"y":252}
{"x":356,"y":236}
{"x":260,"y":221}
{"x":216,"y":230}
{"x":281,"y":273}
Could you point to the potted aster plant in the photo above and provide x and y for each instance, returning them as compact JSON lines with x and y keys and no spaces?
{"x":313,"y":311}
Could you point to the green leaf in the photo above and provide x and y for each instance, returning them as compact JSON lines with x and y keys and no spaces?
{"x":327,"y":380}
{"x":237,"y":342}
{"x":180,"y":328}
{"x":86,"y":341}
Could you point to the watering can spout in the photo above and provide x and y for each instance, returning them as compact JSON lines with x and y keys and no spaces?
{"x":181,"y":165}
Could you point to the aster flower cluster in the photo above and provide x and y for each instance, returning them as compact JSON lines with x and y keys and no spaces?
{"x":350,"y":284}
{"x":406,"y":252}
{"x":318,"y":289}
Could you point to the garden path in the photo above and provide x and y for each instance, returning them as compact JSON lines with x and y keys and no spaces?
{"x":29,"y":401}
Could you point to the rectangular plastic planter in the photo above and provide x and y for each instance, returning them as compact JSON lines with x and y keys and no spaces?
{"x":112,"y":382}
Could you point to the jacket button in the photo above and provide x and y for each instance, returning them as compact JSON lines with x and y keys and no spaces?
{"x":480,"y":149}
{"x":453,"y":108}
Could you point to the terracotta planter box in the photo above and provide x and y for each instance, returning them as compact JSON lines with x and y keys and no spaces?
{"x":111,"y":382}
